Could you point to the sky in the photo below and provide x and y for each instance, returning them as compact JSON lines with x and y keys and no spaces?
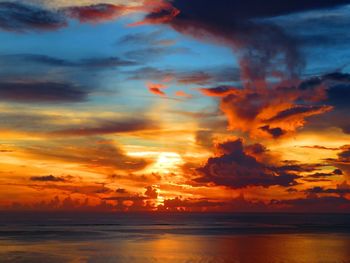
{"x":175,"y":105}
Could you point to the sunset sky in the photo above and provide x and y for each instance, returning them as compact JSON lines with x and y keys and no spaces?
{"x":181,"y":105}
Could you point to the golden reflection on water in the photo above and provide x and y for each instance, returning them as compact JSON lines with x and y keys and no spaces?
{"x":288,"y":248}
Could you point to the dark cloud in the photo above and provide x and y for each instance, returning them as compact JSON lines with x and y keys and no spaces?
{"x":234,"y":168}
{"x":153,"y":38}
{"x":344,"y":156}
{"x":132,"y":202}
{"x":93,"y":153}
{"x":149,"y":46}
{"x":322,"y":190}
{"x":64,"y":205}
{"x":95,"y":63}
{"x":299,"y":167}
{"x":121,"y":191}
{"x":339,"y":96}
{"x":324,"y":175}
{"x":108,"y":62}
{"x":265,"y":52}
{"x":336,"y":91}
{"x":180,"y":204}
{"x":151,"y":53}
{"x":20,"y":17}
{"x":151,"y":192}
{"x":101,"y":127}
{"x":320,"y":147}
{"x":235,"y":23}
{"x":315,"y":204}
{"x":48,"y":178}
{"x":300,"y":110}
{"x":205,"y":76}
{"x":337,"y":172}
{"x":220,"y":91}
{"x":60,"y":125}
{"x":35,"y":58}
{"x":336,"y":85}
{"x":204,"y":138}
{"x":342,"y":162}
{"x":41,"y":91}
{"x":255,"y":149}
{"x":292,"y":190}
{"x":275,"y":132}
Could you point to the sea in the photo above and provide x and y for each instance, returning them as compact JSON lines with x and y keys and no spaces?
{"x":174,"y":237}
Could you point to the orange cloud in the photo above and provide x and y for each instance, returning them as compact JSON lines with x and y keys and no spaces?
{"x":157,"y":89}
{"x":183,"y":94}
{"x":161,"y":12}
{"x":267,"y":111}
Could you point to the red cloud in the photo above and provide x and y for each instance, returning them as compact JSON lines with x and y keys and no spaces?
{"x":156,"y":89}
{"x":96,"y":13}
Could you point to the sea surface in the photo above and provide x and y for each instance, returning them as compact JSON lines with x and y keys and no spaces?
{"x":173,"y":238}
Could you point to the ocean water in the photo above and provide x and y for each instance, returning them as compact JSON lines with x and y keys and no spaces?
{"x":173,"y":238}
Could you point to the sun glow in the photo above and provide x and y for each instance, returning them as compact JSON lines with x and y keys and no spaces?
{"x":167,"y":162}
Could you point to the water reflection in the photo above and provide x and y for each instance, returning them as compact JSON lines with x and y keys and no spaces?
{"x":169,"y":248}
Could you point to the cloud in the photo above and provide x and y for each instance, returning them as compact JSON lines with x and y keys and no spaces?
{"x":152,"y":53}
{"x":151,"y":192}
{"x":335,"y":85}
{"x":41,"y":91}
{"x":205,"y":76}
{"x":204,"y":138}
{"x":324,"y":175}
{"x":157,"y":89}
{"x":298,"y":111}
{"x":139,"y":179}
{"x":275,"y":132}
{"x":59,"y":4}
{"x":94,"y":63}
{"x":335,"y":91}
{"x":121,"y":191}
{"x":276,"y":111}
{"x":266,"y":54}
{"x":315,"y":204}
{"x":234,"y":168}
{"x":320,"y":147}
{"x":183,"y":94}
{"x":341,"y":189}
{"x":19,"y":17}
{"x":73,"y":124}
{"x":153,"y":38}
{"x":236,"y":24}
{"x":96,"y":13}
{"x":89,"y":152}
{"x":32,"y":78}
{"x":66,"y":204}
{"x":181,"y":204}
{"x":47,"y":178}
{"x":104,"y":12}
{"x":101,"y":127}
{"x":343,"y":160}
